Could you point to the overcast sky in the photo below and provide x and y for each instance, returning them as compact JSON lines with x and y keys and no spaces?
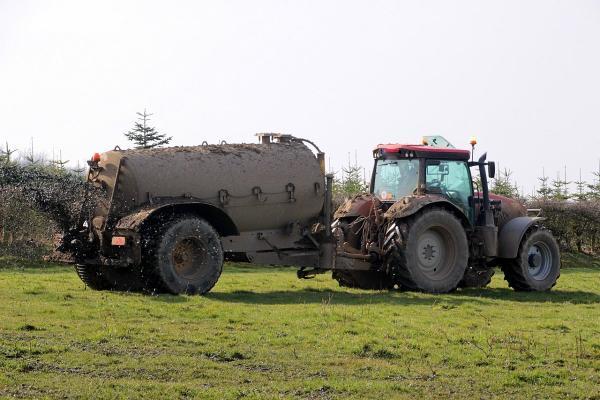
{"x":522,"y":76}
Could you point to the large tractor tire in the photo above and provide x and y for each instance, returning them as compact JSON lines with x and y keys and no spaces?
{"x":368,"y":280}
{"x":187,"y":256}
{"x":435,"y":253}
{"x":537,"y":266}
{"x":92,"y":277}
{"x":475,"y":278}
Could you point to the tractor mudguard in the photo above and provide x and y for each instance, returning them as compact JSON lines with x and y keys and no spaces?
{"x":409,"y":205}
{"x":360,"y":205}
{"x":511,"y":234}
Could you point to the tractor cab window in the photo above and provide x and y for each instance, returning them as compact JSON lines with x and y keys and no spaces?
{"x":450,"y":179}
{"x":395,"y":179}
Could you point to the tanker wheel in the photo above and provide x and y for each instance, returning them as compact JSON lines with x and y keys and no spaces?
{"x":188,"y":256}
{"x":435,"y":253}
{"x":92,"y":277}
{"x":537,"y":266}
{"x":474,"y":278}
{"x":368,"y":280}
{"x":124,"y":279}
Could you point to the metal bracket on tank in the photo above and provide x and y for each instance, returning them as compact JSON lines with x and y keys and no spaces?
{"x":223,"y":197}
{"x":257,"y":191}
{"x":290,"y":188}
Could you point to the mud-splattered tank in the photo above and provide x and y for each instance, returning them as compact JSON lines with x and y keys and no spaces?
{"x":260,"y":186}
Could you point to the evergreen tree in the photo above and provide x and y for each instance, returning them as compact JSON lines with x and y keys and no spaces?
{"x":503,"y":184}
{"x":560,"y":188}
{"x":144,"y":136}
{"x":78,"y":169}
{"x":32,"y":158}
{"x":544,"y":192}
{"x":594,"y":188}
{"x":580,"y":195}
{"x":58,"y":163}
{"x":352,"y":181}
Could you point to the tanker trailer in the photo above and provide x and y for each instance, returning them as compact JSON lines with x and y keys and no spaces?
{"x":165,"y":219}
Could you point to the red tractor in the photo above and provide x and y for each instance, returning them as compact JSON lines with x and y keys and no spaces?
{"x":427,"y":226}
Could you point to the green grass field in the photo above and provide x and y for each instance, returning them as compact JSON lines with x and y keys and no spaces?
{"x":262,"y":333}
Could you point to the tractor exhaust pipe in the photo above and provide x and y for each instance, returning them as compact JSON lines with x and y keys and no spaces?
{"x":488,"y":231}
{"x":489,"y":218}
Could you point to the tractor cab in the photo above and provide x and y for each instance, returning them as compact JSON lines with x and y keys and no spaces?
{"x":404,"y":170}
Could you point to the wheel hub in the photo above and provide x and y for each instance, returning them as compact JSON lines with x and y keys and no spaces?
{"x":535,"y":260}
{"x":188,"y":256}
{"x":539,"y":261}
{"x":430,"y":251}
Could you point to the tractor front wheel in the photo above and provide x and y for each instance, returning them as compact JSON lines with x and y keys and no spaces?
{"x":537,"y":266}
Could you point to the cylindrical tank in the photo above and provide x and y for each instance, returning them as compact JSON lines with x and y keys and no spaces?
{"x":260,"y":186}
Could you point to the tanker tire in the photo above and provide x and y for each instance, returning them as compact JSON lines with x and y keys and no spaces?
{"x":435,"y":254}
{"x":476,"y":278}
{"x":367,"y":280}
{"x":91,"y":276}
{"x":124,"y":279}
{"x":188,"y":256}
{"x":537,"y":266}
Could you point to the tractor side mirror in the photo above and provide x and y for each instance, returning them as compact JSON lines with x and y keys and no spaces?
{"x":491,"y":169}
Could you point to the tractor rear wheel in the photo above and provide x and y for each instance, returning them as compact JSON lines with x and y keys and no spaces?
{"x":435,"y":253}
{"x":475,"y":278}
{"x":368,"y":280}
{"x":537,"y":266}
{"x":188,"y":256}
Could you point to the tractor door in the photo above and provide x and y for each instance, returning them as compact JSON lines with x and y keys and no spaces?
{"x":451,"y":179}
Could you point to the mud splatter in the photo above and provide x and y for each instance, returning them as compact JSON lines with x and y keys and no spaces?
{"x":60,"y":194}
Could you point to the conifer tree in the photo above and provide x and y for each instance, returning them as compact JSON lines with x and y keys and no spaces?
{"x":503,"y":184}
{"x":145,"y":136}
{"x":580,"y":195}
{"x":594,"y":188}
{"x":352,"y":181}
{"x":544,"y":192}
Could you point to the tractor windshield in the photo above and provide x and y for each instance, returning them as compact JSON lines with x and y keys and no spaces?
{"x":395,"y":179}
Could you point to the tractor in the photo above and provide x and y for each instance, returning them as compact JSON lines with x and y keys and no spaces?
{"x":427,"y":225}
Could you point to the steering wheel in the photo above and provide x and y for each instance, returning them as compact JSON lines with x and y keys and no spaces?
{"x":454,"y":194}
{"x":435,"y":184}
